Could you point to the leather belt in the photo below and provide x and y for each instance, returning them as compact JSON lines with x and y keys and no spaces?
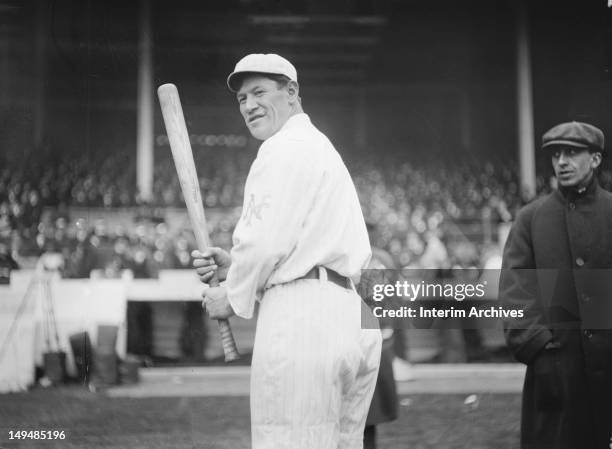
{"x":332,"y":276}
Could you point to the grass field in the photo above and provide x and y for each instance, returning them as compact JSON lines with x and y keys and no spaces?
{"x":96,"y":421}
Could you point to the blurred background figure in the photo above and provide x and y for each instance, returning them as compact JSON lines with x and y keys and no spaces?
{"x":384,"y":406}
{"x":7,"y":263}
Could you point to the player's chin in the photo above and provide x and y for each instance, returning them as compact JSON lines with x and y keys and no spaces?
{"x":259,"y":132}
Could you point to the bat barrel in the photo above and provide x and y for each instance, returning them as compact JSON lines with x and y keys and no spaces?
{"x":182,"y":154}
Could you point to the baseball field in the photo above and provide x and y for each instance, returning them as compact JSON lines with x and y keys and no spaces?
{"x":172,"y":417}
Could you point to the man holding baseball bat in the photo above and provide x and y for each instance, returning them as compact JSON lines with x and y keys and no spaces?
{"x":300,"y":244}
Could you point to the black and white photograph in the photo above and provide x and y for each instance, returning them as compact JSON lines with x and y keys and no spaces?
{"x":316,"y":224}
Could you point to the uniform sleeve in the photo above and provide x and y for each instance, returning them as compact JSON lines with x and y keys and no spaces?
{"x":280,"y":190}
{"x":518,"y":289}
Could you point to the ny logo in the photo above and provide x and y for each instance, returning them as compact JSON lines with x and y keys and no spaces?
{"x":254,"y":209}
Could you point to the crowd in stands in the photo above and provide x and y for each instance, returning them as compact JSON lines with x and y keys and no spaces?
{"x":408,"y":202}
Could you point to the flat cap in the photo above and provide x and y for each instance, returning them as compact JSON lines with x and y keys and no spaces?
{"x":269,"y":63}
{"x":574,"y":134}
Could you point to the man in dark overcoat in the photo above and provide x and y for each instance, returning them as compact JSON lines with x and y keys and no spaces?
{"x":557,"y":269}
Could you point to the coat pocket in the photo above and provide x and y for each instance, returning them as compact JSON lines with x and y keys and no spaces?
{"x":547,"y":380}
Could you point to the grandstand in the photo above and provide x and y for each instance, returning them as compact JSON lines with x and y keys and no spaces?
{"x":421,"y":101}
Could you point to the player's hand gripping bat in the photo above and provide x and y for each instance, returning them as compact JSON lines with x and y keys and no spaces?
{"x":185,"y":167}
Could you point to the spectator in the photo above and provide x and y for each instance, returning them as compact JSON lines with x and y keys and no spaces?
{"x":7,"y":263}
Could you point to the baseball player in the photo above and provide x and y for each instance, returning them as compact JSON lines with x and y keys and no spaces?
{"x":300,"y":244}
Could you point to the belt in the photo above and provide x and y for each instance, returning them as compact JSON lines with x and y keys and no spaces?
{"x":332,"y":276}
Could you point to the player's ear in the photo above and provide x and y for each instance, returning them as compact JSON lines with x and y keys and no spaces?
{"x":294,"y":91}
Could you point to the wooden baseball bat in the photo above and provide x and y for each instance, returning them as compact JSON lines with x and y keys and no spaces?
{"x":185,"y":168}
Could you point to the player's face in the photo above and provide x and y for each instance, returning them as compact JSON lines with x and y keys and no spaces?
{"x":264,"y":106}
{"x":574,"y":167}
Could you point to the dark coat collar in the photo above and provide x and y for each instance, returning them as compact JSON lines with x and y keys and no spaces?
{"x":571,"y":194}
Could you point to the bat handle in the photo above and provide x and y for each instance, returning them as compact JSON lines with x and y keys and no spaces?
{"x":227,"y":337}
{"x":227,"y":340}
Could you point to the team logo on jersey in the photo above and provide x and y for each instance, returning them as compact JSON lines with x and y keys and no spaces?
{"x":255,"y":209}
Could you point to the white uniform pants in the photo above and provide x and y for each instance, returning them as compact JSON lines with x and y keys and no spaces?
{"x":314,"y":369}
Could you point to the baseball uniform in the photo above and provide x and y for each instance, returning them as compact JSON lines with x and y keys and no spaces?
{"x":314,"y":369}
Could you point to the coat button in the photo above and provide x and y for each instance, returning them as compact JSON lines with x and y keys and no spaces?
{"x":572,"y":206}
{"x":588,"y":334}
{"x":585,"y":297}
{"x":580,"y":261}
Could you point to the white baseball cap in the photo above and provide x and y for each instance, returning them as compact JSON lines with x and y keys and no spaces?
{"x":261,"y":63}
